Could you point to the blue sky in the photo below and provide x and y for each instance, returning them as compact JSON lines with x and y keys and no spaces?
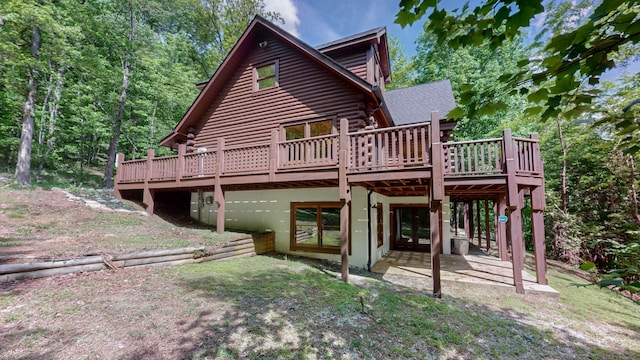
{"x":320,"y":21}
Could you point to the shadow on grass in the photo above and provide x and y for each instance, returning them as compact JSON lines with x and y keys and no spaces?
{"x":283,"y":309}
{"x":49,"y":342}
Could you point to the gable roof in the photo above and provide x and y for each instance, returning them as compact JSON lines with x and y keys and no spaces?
{"x":414,"y":104}
{"x":376,"y":36}
{"x":241,"y":49}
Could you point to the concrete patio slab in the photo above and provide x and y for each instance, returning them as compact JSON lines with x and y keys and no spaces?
{"x":476,"y":269}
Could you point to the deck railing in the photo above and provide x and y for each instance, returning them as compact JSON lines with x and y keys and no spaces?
{"x":473,"y":158}
{"x":527,"y":156}
{"x":372,"y":150}
{"x":133,"y":171}
{"x":163,"y":168}
{"x":246,"y":159}
{"x":199,"y":164}
{"x":318,"y":151}
{"x":389,"y":148}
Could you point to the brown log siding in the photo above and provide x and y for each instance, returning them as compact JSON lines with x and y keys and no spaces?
{"x":355,"y":61}
{"x":305,"y":90}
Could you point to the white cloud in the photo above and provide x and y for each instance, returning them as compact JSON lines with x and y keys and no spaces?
{"x":289,"y":12}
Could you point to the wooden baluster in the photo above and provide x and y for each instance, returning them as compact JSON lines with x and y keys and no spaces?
{"x":483,"y":166}
{"x":415,"y":146}
{"x":401,"y":148}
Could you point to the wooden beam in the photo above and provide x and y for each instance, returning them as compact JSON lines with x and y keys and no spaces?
{"x":218,"y":192}
{"x":510,"y":167}
{"x":273,"y":155}
{"x":436,"y":246}
{"x":182,"y":150}
{"x":501,"y":229}
{"x":147,"y":199}
{"x":479,"y":217}
{"x":470,"y":234}
{"x":465,"y":218}
{"x":537,"y":227}
{"x":344,"y":236}
{"x":345,"y":198}
{"x":517,"y":244}
{"x":487,"y":228}
{"x":147,"y":194}
{"x":455,"y":217}
{"x":220,"y":202}
{"x":343,"y":158}
{"x":116,"y":186}
{"x":437,"y":159}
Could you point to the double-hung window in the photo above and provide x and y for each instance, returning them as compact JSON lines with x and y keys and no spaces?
{"x":265,"y":76}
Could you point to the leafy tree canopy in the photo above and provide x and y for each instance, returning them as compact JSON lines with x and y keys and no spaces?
{"x":563,"y":78}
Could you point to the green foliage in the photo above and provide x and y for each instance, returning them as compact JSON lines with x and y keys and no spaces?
{"x":175,"y":44}
{"x":402,"y":68}
{"x":568,"y":64}
{"x":474,"y":73}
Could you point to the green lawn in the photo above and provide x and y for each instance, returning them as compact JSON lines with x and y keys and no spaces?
{"x":273,"y":308}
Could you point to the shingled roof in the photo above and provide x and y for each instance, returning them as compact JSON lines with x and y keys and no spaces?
{"x":414,"y":104}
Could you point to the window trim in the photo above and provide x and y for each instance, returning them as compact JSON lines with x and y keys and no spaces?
{"x":294,"y":246}
{"x":256,"y":80}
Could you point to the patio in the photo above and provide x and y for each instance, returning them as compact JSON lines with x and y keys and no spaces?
{"x":475,"y":269}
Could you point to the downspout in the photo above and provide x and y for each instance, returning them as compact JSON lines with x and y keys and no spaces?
{"x":369,"y":230}
{"x":381,"y":104}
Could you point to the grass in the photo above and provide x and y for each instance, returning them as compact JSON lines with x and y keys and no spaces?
{"x":269,"y":307}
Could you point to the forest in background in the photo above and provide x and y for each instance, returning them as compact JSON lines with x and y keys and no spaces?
{"x":81,"y":80}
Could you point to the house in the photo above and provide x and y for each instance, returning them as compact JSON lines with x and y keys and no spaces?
{"x":307,"y":143}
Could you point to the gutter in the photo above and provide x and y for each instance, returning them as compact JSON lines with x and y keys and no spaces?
{"x":369,"y":230}
{"x":382,"y":105}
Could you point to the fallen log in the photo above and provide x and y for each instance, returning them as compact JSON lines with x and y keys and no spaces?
{"x":32,"y":266}
{"x":51,"y":272}
{"x":147,"y":254}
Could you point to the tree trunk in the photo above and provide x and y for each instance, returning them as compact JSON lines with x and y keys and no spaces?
{"x":634,"y":195}
{"x":53,"y":108}
{"x":23,"y":166}
{"x":563,"y":175}
{"x":117,"y":123}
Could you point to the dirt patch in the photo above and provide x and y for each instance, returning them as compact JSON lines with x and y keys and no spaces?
{"x":42,"y":225}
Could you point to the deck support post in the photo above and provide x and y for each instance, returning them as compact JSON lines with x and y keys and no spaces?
{"x":479,"y":219}
{"x":514,"y":202}
{"x":455,"y":218}
{"x":537,"y":227}
{"x":487,"y":228}
{"x":500,"y":208}
{"x":436,"y":245}
{"x":147,"y":194}
{"x":470,"y":233}
{"x":465,"y":218}
{"x":517,"y":246}
{"x":437,"y":196}
{"x":218,"y":195}
{"x":182,"y":150}
{"x":345,"y":198}
{"x":116,"y":189}
{"x":273,"y":155}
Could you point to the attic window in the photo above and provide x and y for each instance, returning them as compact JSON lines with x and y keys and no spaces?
{"x":266,"y":76}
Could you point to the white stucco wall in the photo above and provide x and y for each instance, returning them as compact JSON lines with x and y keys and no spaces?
{"x":261,"y":210}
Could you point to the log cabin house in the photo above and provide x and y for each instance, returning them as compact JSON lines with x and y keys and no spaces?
{"x":306,"y":142}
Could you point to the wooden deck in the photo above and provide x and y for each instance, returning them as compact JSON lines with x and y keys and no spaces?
{"x":400,"y":161}
{"x":393,"y":158}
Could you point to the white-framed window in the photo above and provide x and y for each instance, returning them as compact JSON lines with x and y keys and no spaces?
{"x":265,"y":75}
